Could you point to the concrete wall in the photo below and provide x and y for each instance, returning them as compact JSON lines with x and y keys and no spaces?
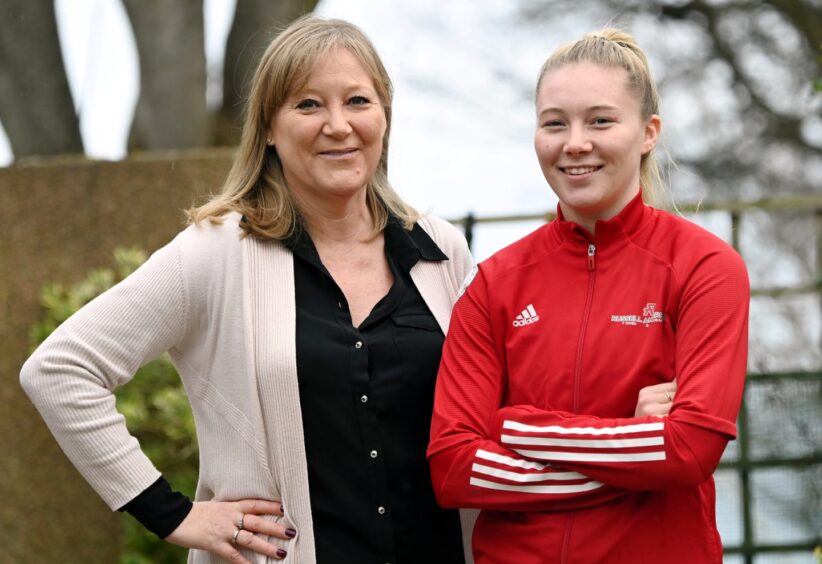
{"x":58,"y":219}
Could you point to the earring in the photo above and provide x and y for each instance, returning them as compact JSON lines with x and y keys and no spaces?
{"x":269,"y":141}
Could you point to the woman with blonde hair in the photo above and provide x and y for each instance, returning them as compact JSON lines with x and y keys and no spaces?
{"x":594,"y":369}
{"x":305,"y":310}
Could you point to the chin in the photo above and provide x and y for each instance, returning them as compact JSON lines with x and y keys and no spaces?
{"x":344,"y":189}
{"x":580,"y":200}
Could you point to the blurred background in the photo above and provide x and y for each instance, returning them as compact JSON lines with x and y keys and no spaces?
{"x":116,"y":114}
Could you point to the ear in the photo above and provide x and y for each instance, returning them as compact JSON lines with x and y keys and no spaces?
{"x":269,"y":134}
{"x":653,"y":128}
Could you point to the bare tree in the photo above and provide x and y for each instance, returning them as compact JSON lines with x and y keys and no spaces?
{"x":748,"y":80}
{"x":255,"y":23}
{"x":35,"y":102}
{"x":36,"y":108}
{"x":171,"y":111}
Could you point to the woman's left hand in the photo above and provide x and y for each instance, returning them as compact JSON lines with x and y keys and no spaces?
{"x":656,"y":400}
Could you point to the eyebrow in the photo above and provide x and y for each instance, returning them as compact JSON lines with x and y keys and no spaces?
{"x":306,"y":91}
{"x":599,"y":108}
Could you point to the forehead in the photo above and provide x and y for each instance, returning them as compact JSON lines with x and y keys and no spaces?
{"x":586,"y":85}
{"x":338,"y":66}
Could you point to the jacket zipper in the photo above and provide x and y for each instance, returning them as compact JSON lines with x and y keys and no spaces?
{"x":592,"y":272}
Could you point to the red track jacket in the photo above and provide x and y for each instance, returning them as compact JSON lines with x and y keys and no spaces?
{"x":547,"y":351}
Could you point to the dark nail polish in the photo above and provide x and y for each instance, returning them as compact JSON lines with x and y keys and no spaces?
{"x":290,"y":533}
{"x":281,"y":553}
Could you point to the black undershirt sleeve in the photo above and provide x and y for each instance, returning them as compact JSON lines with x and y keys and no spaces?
{"x":159,"y":508}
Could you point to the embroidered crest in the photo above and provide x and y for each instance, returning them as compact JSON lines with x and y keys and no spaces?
{"x":648,"y":317}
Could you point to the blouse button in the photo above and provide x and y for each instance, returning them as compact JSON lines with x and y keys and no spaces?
{"x":364,"y":399}
{"x":358,"y":345}
{"x":373,"y":454}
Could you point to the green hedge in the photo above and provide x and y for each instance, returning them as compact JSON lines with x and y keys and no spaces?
{"x":154,"y":404}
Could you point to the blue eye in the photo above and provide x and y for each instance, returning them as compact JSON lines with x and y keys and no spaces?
{"x":359,"y":101}
{"x":553,"y":123}
{"x":307,"y":104}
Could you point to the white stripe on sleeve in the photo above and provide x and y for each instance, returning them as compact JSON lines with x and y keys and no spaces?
{"x":587,"y":443}
{"x":573,"y":488}
{"x":508,"y":461}
{"x":623,"y":429}
{"x":520,"y":477}
{"x":593,"y":456}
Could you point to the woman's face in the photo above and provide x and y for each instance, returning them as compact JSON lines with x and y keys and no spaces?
{"x":589,"y":140}
{"x":329,"y":134}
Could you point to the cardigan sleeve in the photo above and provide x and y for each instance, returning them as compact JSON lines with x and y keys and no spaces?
{"x":469,"y":467}
{"x":684,"y":448}
{"x":71,"y":376}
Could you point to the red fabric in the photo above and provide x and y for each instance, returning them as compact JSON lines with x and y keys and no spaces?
{"x":547,"y":350}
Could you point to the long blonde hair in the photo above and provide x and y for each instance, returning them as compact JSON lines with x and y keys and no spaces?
{"x":616,"y":48}
{"x":255,"y":186}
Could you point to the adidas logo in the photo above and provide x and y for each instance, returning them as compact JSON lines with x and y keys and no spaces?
{"x":527,"y":317}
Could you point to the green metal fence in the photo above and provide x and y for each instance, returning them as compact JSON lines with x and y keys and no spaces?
{"x":801,"y":393}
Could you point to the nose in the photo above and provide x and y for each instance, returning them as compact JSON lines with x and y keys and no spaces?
{"x":336,"y":123}
{"x":577,"y":142}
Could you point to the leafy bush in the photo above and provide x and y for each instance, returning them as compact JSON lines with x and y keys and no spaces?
{"x":154,"y":404}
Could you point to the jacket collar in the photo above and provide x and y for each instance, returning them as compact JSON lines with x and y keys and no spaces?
{"x":625,"y":224}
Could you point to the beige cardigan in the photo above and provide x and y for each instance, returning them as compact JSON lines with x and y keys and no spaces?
{"x":224,"y":309}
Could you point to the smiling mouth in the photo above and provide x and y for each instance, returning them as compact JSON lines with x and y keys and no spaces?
{"x":579,"y":170}
{"x":338,"y":153}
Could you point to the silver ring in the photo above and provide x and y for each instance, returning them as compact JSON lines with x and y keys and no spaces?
{"x":235,"y":535}
{"x":668,"y":395}
{"x":240,"y":522}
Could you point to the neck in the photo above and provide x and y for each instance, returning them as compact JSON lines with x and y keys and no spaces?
{"x":336,"y":220}
{"x":589,"y":220}
{"x":583,"y":220}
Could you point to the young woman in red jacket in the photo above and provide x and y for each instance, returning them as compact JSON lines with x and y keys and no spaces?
{"x":593,"y":370}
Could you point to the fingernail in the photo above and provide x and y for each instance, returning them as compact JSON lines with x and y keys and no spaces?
{"x":281,"y":553}
{"x":290,"y":533}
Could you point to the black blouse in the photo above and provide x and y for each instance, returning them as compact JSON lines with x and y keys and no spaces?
{"x":366,"y":396}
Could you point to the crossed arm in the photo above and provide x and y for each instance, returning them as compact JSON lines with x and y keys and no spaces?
{"x":520,"y":458}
